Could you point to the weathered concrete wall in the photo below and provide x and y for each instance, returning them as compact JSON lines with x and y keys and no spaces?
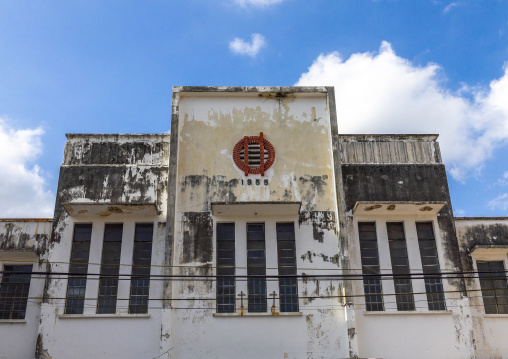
{"x":24,"y":235}
{"x":23,"y":242}
{"x":389,"y":149}
{"x":404,"y":169}
{"x":297,"y":123}
{"x":128,"y":149}
{"x":492,"y":235}
{"x":106,"y":179}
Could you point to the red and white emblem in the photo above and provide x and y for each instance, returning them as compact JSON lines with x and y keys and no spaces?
{"x":254,"y":154}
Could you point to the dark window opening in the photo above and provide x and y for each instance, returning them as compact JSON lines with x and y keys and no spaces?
{"x":494,"y":287}
{"x":110,"y":268}
{"x":141,"y":262}
{"x":78,"y":269}
{"x":400,"y":266}
{"x":370,"y":266}
{"x":225,"y":267}
{"x":14,"y":291}
{"x":286,"y":253}
{"x":430,"y":266}
{"x":256,"y":267}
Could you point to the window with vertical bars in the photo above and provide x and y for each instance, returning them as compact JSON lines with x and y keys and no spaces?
{"x":494,"y":286}
{"x":14,"y":291}
{"x":286,"y":253}
{"x":256,"y":267}
{"x":254,"y":159}
{"x":370,"y":266}
{"x":400,"y":266}
{"x":225,"y":267}
{"x":141,"y":261}
{"x":430,"y":266}
{"x":78,"y":269}
{"x":110,"y":268}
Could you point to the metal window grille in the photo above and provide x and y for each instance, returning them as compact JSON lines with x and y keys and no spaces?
{"x":286,"y":253}
{"x":430,"y":266}
{"x":254,"y":157}
{"x":110,"y":267}
{"x":494,"y":287}
{"x":400,"y":266}
{"x":370,"y":265}
{"x":225,"y":267}
{"x":141,"y":261}
{"x":256,"y":267}
{"x":78,"y":269}
{"x":14,"y":291}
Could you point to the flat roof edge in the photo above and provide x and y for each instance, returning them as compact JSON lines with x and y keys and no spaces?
{"x":116,"y":135}
{"x":252,"y":89}
{"x":26,"y":219}
{"x":481,"y":218}
{"x":388,"y":137}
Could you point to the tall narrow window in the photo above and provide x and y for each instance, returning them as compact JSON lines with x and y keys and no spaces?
{"x":76,"y":286}
{"x":494,"y":287}
{"x":256,"y":267}
{"x":14,"y":291}
{"x":110,"y":267}
{"x":286,"y":253}
{"x":225,"y":267}
{"x":400,"y":266}
{"x":141,"y":261}
{"x":430,"y":266}
{"x":370,"y":266}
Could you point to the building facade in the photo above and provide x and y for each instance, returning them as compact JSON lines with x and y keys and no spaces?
{"x":254,"y":230}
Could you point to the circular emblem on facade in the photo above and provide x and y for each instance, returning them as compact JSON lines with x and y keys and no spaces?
{"x":254,"y":155}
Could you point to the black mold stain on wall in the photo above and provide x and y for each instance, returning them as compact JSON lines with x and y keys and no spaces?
{"x":216,"y":188}
{"x":382,"y":183}
{"x":481,"y":234}
{"x":320,"y":221}
{"x":310,"y":187}
{"x":406,"y":183}
{"x":197,"y":229}
{"x":112,"y":184}
{"x":15,"y":240}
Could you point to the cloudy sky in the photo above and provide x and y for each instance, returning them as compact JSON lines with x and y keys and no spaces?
{"x":95,"y":66}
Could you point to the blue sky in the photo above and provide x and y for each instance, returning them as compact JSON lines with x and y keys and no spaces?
{"x":96,"y":66}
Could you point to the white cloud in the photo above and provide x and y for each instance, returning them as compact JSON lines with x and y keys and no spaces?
{"x":239,"y":46}
{"x":459,"y":212}
{"x":449,"y":7}
{"x":257,"y":3}
{"x":500,"y":202}
{"x":503,"y":181}
{"x":21,"y":183}
{"x":384,"y":93}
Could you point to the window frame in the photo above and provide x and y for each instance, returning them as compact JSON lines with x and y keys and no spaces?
{"x":25,"y":301}
{"x":72,"y":247}
{"x":271,"y":262}
{"x":491,"y":254}
{"x":142,"y":308}
{"x":105,"y":302}
{"x":409,"y":223}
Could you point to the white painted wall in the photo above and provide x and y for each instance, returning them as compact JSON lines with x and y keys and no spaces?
{"x":97,"y":335}
{"x":393,"y":334}
{"x":18,"y":337}
{"x":490,"y":330}
{"x":318,"y":331}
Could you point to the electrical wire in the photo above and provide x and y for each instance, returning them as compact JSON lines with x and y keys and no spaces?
{"x":303,"y":276}
{"x":345,"y":296}
{"x":205,"y":266}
